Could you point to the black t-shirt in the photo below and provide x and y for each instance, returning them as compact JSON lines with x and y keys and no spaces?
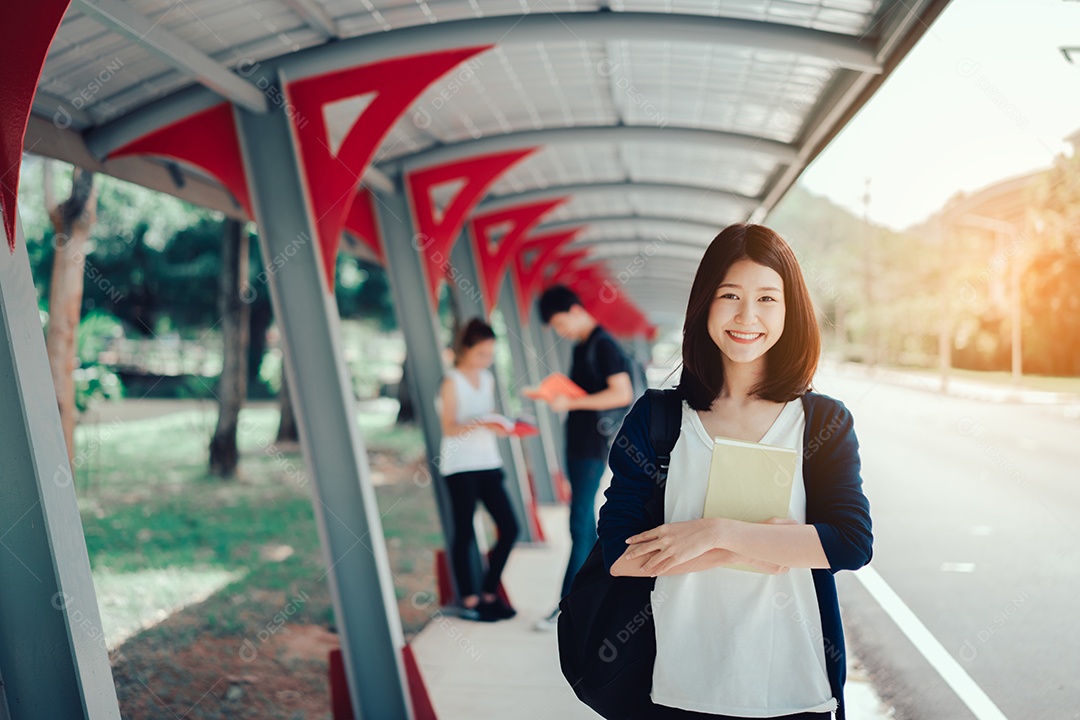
{"x":583,"y":437}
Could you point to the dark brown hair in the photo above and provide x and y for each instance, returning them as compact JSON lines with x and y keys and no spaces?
{"x":471,"y":333}
{"x":790,"y":363}
{"x":557,"y":299}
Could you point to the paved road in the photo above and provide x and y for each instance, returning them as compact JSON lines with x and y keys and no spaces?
{"x":976,"y":511}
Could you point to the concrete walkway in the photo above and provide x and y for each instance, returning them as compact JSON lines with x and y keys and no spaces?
{"x":508,"y":670}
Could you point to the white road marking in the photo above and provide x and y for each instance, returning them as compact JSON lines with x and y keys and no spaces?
{"x":957,"y":567}
{"x":981,"y":529}
{"x":924,"y":641}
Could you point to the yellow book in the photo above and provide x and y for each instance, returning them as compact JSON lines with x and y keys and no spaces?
{"x":749,"y":481}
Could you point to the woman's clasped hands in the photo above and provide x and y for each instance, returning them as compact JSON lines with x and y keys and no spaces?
{"x":673,"y":544}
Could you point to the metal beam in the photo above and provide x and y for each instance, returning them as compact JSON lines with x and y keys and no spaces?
{"x":552,"y":354}
{"x":542,"y":361}
{"x":744,"y":203}
{"x":845,"y":50}
{"x":689,"y":254}
{"x":521,"y":351}
{"x":708,"y":231}
{"x":313,"y":14}
{"x":121,"y":19}
{"x":419,"y":324}
{"x":343,"y":496}
{"x":646,"y":134}
{"x":53,"y":657}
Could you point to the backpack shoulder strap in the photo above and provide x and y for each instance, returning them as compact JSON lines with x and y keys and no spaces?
{"x":666,"y":421}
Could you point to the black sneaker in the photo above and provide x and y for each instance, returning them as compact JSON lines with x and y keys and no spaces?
{"x":499,"y":609}
{"x":480,"y":613}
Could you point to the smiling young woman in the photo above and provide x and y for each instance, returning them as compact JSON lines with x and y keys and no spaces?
{"x":730,"y":643}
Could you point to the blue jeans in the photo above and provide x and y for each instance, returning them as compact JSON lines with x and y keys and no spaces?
{"x":584,"y":475}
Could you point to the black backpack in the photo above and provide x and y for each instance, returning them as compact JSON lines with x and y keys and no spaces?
{"x":607,"y":638}
{"x":609,"y":421}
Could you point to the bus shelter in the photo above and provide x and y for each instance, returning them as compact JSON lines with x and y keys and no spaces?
{"x":497,"y":147}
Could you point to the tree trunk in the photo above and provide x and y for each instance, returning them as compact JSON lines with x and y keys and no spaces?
{"x":232,"y":386}
{"x":261,"y":318}
{"x":406,"y":412}
{"x":72,"y":222}
{"x":287,"y":432}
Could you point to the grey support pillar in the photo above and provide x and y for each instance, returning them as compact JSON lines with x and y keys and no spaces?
{"x":343,"y":497}
{"x":642,"y":350}
{"x":419,"y":325}
{"x":555,"y":353}
{"x":515,"y":466}
{"x":541,"y":363}
{"x":523,"y":355}
{"x":53,"y":658}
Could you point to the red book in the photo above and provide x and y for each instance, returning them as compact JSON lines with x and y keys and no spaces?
{"x":553,"y":385}
{"x":517,"y":427}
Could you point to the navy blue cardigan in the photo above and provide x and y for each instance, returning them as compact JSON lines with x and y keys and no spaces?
{"x":835,"y":506}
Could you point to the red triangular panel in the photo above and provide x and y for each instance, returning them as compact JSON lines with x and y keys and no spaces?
{"x":333,"y":165}
{"x":26,"y":31}
{"x":604,"y":300}
{"x":529,"y":262}
{"x":437,"y":231}
{"x":206,"y":140}
{"x":492,"y":257}
{"x":560,"y":265}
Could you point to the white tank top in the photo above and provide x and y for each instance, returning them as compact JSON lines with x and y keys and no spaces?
{"x":732,"y":642}
{"x":477,"y":448}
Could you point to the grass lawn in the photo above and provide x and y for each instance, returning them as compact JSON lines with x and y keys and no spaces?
{"x":213,"y":593}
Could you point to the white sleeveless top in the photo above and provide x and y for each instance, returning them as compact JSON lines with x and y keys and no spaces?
{"x":478,"y":448}
{"x":732,"y":642}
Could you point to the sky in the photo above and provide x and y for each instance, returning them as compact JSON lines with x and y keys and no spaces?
{"x":985,"y":95}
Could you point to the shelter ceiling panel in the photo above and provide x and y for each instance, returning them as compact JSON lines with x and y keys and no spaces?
{"x":643,"y":229}
{"x":507,"y":89}
{"x":666,"y":302}
{"x":383,"y":15}
{"x":742,"y":90}
{"x":562,"y":165}
{"x":212,"y":26}
{"x":97,"y":72}
{"x":699,"y":209}
{"x":613,"y":205}
{"x":652,"y":256}
{"x":739,"y":171}
{"x":848,"y":17}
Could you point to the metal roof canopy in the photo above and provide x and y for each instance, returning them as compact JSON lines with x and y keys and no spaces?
{"x":623,"y":98}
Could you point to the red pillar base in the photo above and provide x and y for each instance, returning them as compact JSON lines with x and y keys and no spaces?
{"x":340,"y":702}
{"x":339,"y":688}
{"x":421,"y":701}
{"x":534,"y":515}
